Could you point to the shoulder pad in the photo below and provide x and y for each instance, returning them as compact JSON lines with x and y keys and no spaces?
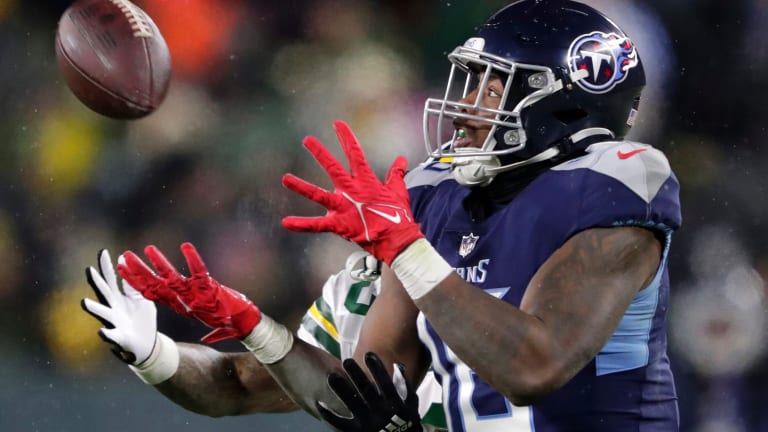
{"x":429,"y":173}
{"x":640,"y":167}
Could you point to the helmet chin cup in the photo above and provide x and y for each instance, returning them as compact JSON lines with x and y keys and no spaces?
{"x":472,"y":171}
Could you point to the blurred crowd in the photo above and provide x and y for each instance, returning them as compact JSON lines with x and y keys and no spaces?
{"x":252,"y":78}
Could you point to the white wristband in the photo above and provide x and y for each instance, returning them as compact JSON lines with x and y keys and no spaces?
{"x":161,"y":364}
{"x":420,"y":268}
{"x":269,"y":341}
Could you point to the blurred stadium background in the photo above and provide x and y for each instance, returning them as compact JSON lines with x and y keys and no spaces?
{"x":251,"y":79}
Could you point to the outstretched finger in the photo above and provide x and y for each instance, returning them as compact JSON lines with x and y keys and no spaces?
{"x":396,"y":172}
{"x":100,"y":287}
{"x":138,"y":274}
{"x":309,"y":224}
{"x":162,"y":265}
{"x":381,"y":376}
{"x":395,"y":178}
{"x":136,"y":266}
{"x":335,"y":420}
{"x":99,"y":311}
{"x":333,"y":167}
{"x":137,"y":277}
{"x":358,"y":165}
{"x":361,"y":380}
{"x":106,"y":268}
{"x":194,"y":260}
{"x":346,"y":391}
{"x":309,"y":191}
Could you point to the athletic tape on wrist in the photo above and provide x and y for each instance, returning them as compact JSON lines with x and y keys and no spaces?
{"x":420,"y":268}
{"x":269,"y":341}
{"x":161,"y":364}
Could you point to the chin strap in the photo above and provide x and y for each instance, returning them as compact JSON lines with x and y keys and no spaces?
{"x":481,"y":170}
{"x":541,"y":157}
{"x":590,"y":132}
{"x":583,"y":138}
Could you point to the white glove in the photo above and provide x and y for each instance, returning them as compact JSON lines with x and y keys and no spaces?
{"x":130,"y":320}
{"x":370,"y":269}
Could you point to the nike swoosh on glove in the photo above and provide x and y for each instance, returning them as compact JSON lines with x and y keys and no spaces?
{"x":375,"y":215}
{"x":200,"y":296}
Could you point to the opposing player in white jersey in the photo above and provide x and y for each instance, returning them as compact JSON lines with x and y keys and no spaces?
{"x":334,"y":320}
{"x":216,"y":383}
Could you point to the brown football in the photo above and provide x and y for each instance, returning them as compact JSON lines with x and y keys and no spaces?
{"x":113,"y":57}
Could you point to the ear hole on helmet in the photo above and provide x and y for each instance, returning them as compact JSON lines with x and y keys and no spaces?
{"x":571,"y":115}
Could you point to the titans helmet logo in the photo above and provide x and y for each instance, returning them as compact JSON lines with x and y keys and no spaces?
{"x":607,"y":57}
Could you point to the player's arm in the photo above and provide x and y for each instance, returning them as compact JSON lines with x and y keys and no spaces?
{"x":216,"y":383}
{"x":390,"y":331}
{"x":195,"y":376}
{"x":570,"y":309}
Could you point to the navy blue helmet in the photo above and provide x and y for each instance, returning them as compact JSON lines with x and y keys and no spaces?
{"x":569,"y":73}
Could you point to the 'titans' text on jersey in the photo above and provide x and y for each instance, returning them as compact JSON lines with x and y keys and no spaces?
{"x":629,"y":384}
{"x":474,"y":273}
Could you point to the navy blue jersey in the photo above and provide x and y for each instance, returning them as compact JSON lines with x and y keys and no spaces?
{"x":628,"y":386}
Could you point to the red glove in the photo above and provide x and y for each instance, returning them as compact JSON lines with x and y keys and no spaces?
{"x":375,"y":215}
{"x":228,"y":312}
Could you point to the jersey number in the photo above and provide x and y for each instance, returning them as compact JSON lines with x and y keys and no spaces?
{"x":354,"y":303}
{"x":483,"y":409}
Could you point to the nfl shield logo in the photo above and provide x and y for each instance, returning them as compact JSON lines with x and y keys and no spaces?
{"x":467,"y":244}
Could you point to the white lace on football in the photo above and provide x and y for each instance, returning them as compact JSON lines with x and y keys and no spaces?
{"x":136,"y":17}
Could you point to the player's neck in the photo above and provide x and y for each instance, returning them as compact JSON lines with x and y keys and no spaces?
{"x":482,"y":202}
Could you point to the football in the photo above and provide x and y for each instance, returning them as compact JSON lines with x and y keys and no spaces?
{"x":113,"y":57}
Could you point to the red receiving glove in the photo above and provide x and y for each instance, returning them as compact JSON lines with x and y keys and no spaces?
{"x":228,"y":312}
{"x":375,"y":215}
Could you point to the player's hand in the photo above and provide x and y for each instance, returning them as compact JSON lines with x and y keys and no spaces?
{"x":362,"y":209}
{"x":363,"y":266}
{"x":200,"y":296}
{"x":375,"y":406}
{"x":130,"y":320}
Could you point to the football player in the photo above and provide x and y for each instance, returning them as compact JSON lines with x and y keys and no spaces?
{"x":531,"y":254}
{"x":206,"y":381}
{"x":526,"y":263}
